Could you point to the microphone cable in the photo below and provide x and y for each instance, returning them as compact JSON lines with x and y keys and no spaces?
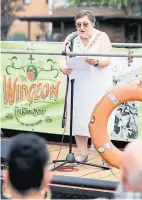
{"x":64,"y":119}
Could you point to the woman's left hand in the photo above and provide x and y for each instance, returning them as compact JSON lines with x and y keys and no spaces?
{"x":91,"y":61}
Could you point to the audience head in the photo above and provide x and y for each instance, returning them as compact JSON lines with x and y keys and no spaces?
{"x":27,"y":158}
{"x":131,"y":166}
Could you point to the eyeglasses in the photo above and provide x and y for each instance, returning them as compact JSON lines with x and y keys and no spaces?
{"x":85,"y":24}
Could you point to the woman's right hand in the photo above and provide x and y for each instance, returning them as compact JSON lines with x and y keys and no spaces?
{"x":66,"y":71}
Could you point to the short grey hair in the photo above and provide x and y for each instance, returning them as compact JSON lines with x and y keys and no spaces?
{"x":87,"y":13}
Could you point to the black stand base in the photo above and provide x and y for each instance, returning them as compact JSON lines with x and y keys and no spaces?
{"x":70,"y":158}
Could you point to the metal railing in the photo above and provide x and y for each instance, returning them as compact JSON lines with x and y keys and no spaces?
{"x":138,"y":55}
{"x":117,"y":45}
{"x":127,"y":45}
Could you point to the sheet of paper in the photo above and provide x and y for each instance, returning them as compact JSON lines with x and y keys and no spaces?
{"x":77,"y":63}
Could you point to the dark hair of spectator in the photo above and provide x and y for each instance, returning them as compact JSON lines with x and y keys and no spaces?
{"x":27,"y":160}
{"x":87,"y":13}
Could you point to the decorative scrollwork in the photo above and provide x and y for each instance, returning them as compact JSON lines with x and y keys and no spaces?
{"x":51,"y":66}
{"x":12,"y":65}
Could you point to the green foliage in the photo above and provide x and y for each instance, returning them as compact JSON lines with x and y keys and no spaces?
{"x":127,"y":5}
{"x":114,"y":3}
{"x":18,"y":36}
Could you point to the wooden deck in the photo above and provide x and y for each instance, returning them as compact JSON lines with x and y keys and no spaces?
{"x":83,"y":171}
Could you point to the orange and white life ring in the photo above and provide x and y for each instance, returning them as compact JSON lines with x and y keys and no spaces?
{"x":100,"y":116}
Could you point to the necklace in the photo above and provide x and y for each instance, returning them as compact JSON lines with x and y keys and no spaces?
{"x":81,"y":47}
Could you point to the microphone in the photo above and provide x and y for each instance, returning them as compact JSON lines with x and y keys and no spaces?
{"x":70,"y":42}
{"x":72,"y":37}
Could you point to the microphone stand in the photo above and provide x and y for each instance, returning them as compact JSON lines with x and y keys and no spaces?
{"x":70,"y":158}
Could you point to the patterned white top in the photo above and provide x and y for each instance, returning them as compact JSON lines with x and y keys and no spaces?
{"x":89,"y":86}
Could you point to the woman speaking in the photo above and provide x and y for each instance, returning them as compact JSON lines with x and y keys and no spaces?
{"x":90,"y":85}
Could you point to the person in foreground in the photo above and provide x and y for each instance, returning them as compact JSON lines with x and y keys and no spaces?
{"x":130,"y":186}
{"x":27,"y":176}
{"x":91,"y":84}
{"x":131,"y":172}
